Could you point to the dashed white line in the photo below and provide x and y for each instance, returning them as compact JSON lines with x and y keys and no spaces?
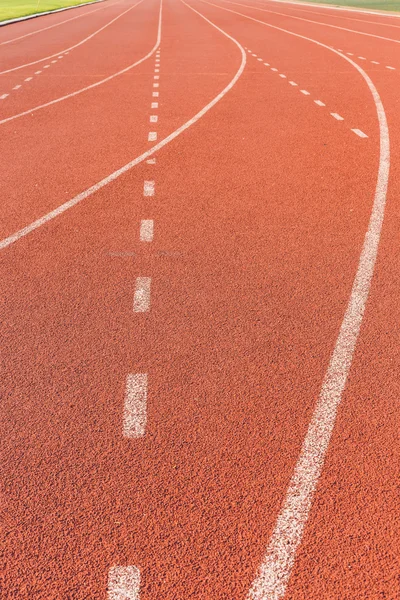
{"x":305,"y":92}
{"x":153,"y":118}
{"x":273,"y":69}
{"x":28,"y":79}
{"x":349,"y":54}
{"x":360,"y":133}
{"x":46,"y":66}
{"x":154,"y":105}
{"x":362,"y":57}
{"x":17,"y":87}
{"x":156,"y":70}
{"x":146,"y":230}
{"x":156,"y":94}
{"x":151,"y":161}
{"x":293,"y":83}
{"x":152,"y":136}
{"x":375,"y":62}
{"x":3,"y":97}
{"x":135,"y":407}
{"x":267,"y":64}
{"x":123,"y":583}
{"x":156,"y":85}
{"x":156,"y":77}
{"x":260,"y":59}
{"x":391,"y":68}
{"x":282,"y":75}
{"x":319,"y":103}
{"x":53,"y":62}
{"x":141,"y":300}
{"x":337,"y":117}
{"x":37,"y":72}
{"x":149,"y":188}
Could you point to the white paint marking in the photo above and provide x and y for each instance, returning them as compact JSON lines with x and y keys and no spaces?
{"x":146,"y":230}
{"x":349,"y":53}
{"x":375,"y":62}
{"x":46,"y":66}
{"x":135,"y":406}
{"x":337,"y":117}
{"x":156,"y":70}
{"x":319,"y":103}
{"x":305,"y":92}
{"x":362,"y":58}
{"x":153,"y":118}
{"x":149,"y":188}
{"x":151,"y":161}
{"x":154,"y":105}
{"x":267,"y":64}
{"x":282,"y":75}
{"x":37,"y":72}
{"x":254,"y":55}
{"x":152,"y":136}
{"x":17,"y":87}
{"x":60,"y":57}
{"x":260,"y":59}
{"x":4,"y":96}
{"x":292,"y":83}
{"x":156,"y":94}
{"x":28,"y":79}
{"x":141,"y":300}
{"x":53,"y":61}
{"x":273,"y":69}
{"x":4,"y":243}
{"x":391,"y":68}
{"x":123,"y":583}
{"x":156,"y":85}
{"x":360,"y":133}
{"x":156,"y":77}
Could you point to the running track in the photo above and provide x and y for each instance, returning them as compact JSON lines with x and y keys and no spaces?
{"x":200,"y":303}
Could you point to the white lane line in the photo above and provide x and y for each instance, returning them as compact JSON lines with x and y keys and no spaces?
{"x":337,"y":117}
{"x":293,"y":83}
{"x":155,"y":94}
{"x":391,"y":68}
{"x":135,"y":406}
{"x":319,"y":103}
{"x":305,"y":92}
{"x":4,"y":96}
{"x":151,"y":161}
{"x":156,"y":70}
{"x":60,"y":57}
{"x":267,"y":64}
{"x":282,"y":75}
{"x":35,"y":62}
{"x":28,"y":79}
{"x":254,"y":55}
{"x":153,"y":118}
{"x":259,"y":59}
{"x":156,"y":77}
{"x":53,"y":62}
{"x":154,"y":105}
{"x":149,"y":188}
{"x":360,"y":133}
{"x":123,"y":583}
{"x":37,"y":72}
{"x":156,"y":85}
{"x":375,"y":62}
{"x":93,"y":85}
{"x":146,"y":230}
{"x":141,"y":300}
{"x":350,"y":53}
{"x":275,"y":571}
{"x":152,"y":137}
{"x":274,"y":69}
{"x":11,"y":239}
{"x":17,"y":87}
{"x":46,"y":66}
{"x":361,"y":58}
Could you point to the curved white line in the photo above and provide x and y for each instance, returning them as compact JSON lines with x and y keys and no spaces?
{"x":273,"y":12}
{"x":82,"y":196}
{"x":348,"y":9}
{"x":92,"y":85}
{"x":86,"y":39}
{"x":276,"y":568}
{"x":60,"y":23}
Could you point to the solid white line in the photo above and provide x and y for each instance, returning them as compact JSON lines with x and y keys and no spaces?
{"x":305,"y":92}
{"x":141,"y":300}
{"x":360,"y":133}
{"x":123,"y":583}
{"x":149,"y":188}
{"x":93,"y":85}
{"x":4,"y":96}
{"x":146,"y":230}
{"x":152,"y":137}
{"x":97,"y":186}
{"x":391,"y":68}
{"x":319,"y":103}
{"x":293,"y":83}
{"x":135,"y":406}
{"x":35,"y":62}
{"x":276,"y":568}
{"x":153,"y":118}
{"x":154,"y":105}
{"x":337,"y":117}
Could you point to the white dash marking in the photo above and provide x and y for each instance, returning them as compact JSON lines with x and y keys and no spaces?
{"x":349,"y":54}
{"x":151,"y":161}
{"x":153,"y":118}
{"x":267,"y":64}
{"x":156,"y":85}
{"x":156,"y":77}
{"x":156,"y":94}
{"x":156,"y":70}
{"x":53,"y":61}
{"x":337,"y":117}
{"x":319,"y":103}
{"x":339,"y":50}
{"x":154,"y":105}
{"x":28,"y":79}
{"x":17,"y":87}
{"x":254,"y":55}
{"x":292,"y":83}
{"x":37,"y":72}
{"x":141,"y":300}
{"x":273,"y":69}
{"x":360,"y":133}
{"x":123,"y":583}
{"x":46,"y":66}
{"x":259,"y":59}
{"x":149,"y":188}
{"x":362,"y":57}
{"x":146,"y":230}
{"x":305,"y":92}
{"x":391,"y":68}
{"x":60,"y":57}
{"x":4,"y":96}
{"x":152,"y":136}
{"x":375,"y":62}
{"x":282,"y":75}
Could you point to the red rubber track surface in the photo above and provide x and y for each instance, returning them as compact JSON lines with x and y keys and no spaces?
{"x":260,"y":212}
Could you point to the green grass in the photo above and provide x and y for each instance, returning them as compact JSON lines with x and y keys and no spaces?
{"x":11,"y":9}
{"x":374,"y":4}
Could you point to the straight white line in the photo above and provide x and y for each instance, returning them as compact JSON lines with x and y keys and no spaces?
{"x":28,"y":79}
{"x":153,"y":118}
{"x":135,"y":406}
{"x":11,"y":239}
{"x":141,"y":300}
{"x":152,"y":137}
{"x":293,"y":83}
{"x":155,"y":94}
{"x":149,"y":188}
{"x":337,"y":117}
{"x":93,"y":85}
{"x":305,"y":92}
{"x":4,"y":96}
{"x":319,"y":103}
{"x":154,"y":105}
{"x":146,"y":230}
{"x":391,"y":68}
{"x":360,"y":133}
{"x":71,"y":47}
{"x":276,"y":568}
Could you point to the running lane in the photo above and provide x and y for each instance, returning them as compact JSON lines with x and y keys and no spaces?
{"x":259,"y":211}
